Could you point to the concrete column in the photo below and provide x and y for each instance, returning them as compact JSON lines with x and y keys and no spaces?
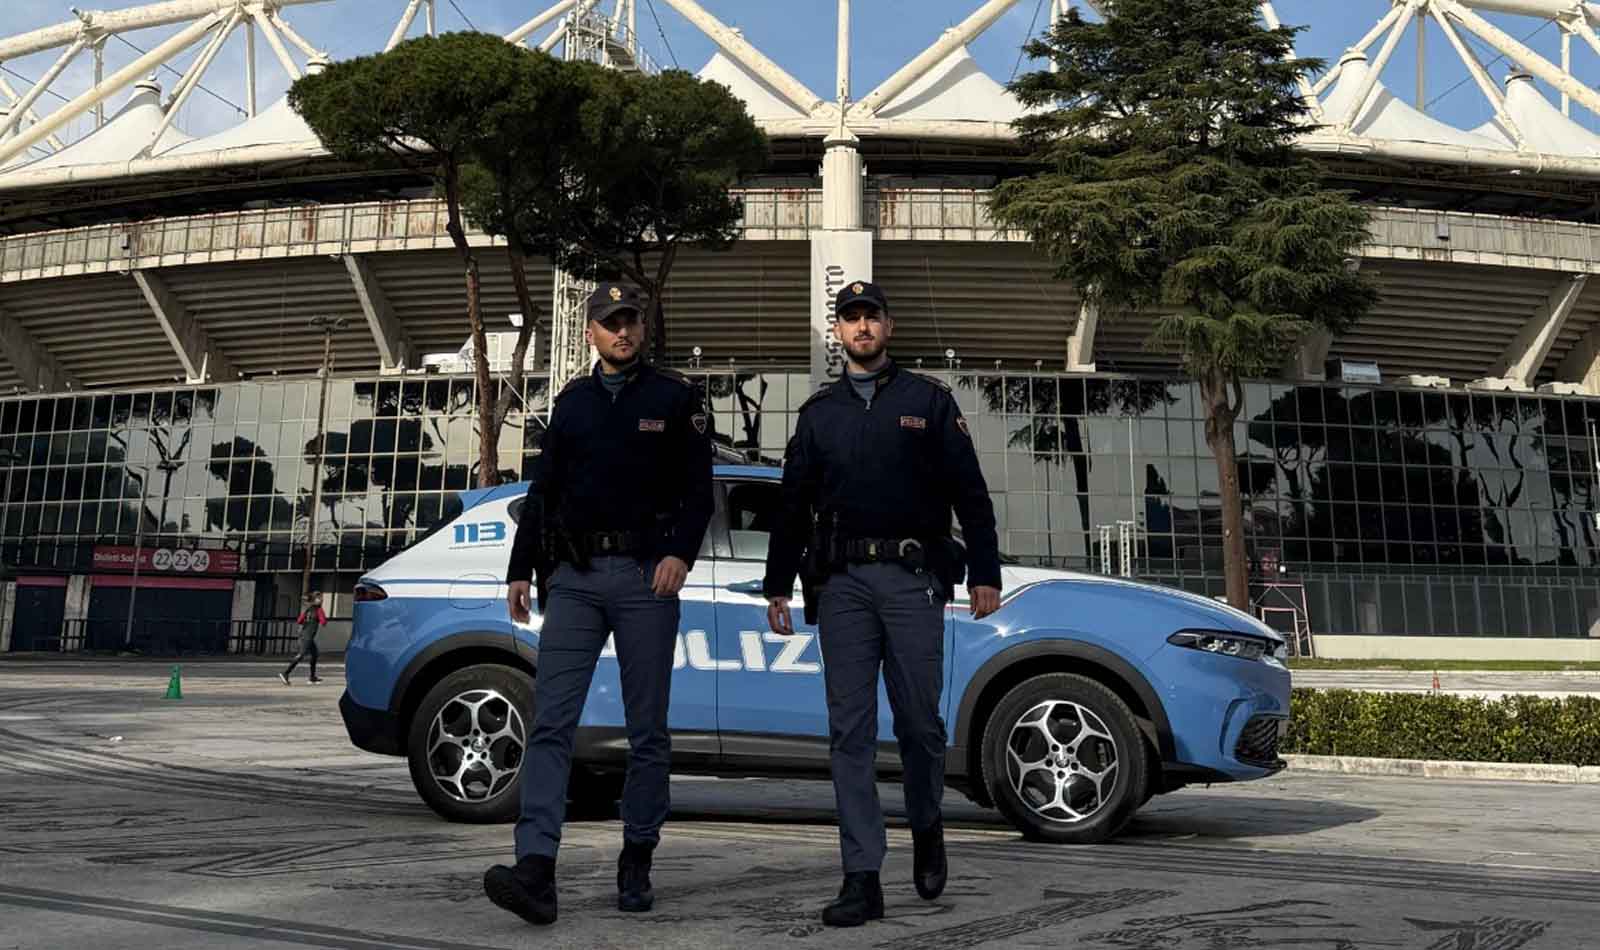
{"x":1080,"y":345}
{"x":77,"y":598}
{"x":1519,"y":365}
{"x":1582,"y":363}
{"x":842,"y":198}
{"x":841,"y":251}
{"x":8,"y":609}
{"x":244,"y":605}
{"x":1309,"y":363}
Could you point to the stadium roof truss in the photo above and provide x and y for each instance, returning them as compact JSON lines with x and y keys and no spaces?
{"x":213,"y":281}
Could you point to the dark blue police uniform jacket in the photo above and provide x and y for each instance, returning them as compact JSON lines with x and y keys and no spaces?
{"x":637,"y":462}
{"x":892,"y":468}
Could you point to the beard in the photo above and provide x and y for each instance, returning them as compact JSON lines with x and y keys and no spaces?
{"x":865,"y":352}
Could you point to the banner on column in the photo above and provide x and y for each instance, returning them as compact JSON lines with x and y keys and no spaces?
{"x":836,"y":257}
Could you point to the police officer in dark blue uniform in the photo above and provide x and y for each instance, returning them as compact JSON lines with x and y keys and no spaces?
{"x":620,"y":499}
{"x":878,"y":461}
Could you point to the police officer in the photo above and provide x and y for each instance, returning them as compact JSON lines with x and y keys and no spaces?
{"x":878,"y":461}
{"x":619,"y":503}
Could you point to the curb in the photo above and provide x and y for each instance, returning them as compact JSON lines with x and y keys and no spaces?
{"x":1421,"y":768}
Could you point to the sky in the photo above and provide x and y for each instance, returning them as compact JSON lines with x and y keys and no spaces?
{"x":798,"y":34}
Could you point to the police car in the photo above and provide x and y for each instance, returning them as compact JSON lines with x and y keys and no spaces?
{"x":1067,"y":710}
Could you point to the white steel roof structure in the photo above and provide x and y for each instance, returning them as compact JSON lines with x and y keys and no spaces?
{"x":177,"y":294}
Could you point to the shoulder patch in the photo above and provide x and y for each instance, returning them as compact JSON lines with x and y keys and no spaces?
{"x":936,"y":381}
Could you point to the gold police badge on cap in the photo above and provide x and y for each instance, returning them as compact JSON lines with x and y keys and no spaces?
{"x":616,"y":294}
{"x":858,"y":288}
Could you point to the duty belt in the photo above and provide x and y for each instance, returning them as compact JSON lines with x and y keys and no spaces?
{"x":868,"y":550}
{"x":614,"y":543}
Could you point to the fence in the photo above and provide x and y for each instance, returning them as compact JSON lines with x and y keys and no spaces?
{"x":176,"y":636}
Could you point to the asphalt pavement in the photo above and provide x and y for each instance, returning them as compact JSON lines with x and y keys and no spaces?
{"x":240,"y":816}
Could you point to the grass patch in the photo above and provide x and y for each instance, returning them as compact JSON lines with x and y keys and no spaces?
{"x":1506,"y":666}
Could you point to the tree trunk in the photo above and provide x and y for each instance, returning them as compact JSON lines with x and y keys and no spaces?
{"x":658,"y":313}
{"x":488,"y":436}
{"x":511,"y":392}
{"x":1219,"y":436}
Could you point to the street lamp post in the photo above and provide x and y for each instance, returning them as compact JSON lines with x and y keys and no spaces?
{"x":327,"y":325}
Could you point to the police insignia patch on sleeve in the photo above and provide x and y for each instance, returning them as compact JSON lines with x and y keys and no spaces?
{"x":961,"y":423}
{"x":699,"y":422}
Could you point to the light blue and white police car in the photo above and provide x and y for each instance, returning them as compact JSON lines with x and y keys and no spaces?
{"x":1067,"y":710}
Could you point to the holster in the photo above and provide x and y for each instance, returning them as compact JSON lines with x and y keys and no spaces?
{"x":946,"y":560}
{"x":821,"y":561}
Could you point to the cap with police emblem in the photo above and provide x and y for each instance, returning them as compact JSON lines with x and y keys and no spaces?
{"x":861,"y":291}
{"x":608,"y":299}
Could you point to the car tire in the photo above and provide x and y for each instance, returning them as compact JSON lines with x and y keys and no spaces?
{"x":1080,"y":770}
{"x":467,"y":740}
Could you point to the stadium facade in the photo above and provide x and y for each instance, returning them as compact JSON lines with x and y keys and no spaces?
{"x":1437,"y":494}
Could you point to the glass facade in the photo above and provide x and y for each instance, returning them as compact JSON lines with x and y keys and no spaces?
{"x":1399,"y":511}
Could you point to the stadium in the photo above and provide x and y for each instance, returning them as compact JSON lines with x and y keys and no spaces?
{"x":1424,"y":485}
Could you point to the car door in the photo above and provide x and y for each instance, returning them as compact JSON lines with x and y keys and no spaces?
{"x":771,"y":702}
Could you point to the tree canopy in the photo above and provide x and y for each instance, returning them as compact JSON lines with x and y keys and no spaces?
{"x":1169,"y":182}
{"x":655,"y":159}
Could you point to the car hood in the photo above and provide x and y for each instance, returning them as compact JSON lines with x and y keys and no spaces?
{"x":1214,"y":611}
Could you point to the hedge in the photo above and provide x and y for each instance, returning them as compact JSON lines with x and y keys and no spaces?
{"x":1562,"y":731}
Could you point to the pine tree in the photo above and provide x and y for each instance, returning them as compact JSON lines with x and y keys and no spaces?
{"x":1170,"y":184}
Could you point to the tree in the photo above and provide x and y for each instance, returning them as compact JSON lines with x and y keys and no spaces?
{"x":428,"y":105}
{"x":654,"y":159}
{"x":1169,"y":183}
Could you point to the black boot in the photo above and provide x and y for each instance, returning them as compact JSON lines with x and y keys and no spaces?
{"x":928,"y":866}
{"x":860,"y":900}
{"x":634,"y":894}
{"x":527,"y":890}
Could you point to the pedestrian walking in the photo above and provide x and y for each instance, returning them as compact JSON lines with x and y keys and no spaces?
{"x":311,"y":621}
{"x":878,"y":461}
{"x":620,"y":499}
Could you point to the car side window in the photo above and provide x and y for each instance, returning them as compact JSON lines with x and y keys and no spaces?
{"x":752,"y":514}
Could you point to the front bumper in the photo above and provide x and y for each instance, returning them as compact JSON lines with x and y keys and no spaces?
{"x":1227,"y":714}
{"x":375,"y":730}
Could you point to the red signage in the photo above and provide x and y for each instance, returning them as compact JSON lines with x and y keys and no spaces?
{"x":166,"y":560}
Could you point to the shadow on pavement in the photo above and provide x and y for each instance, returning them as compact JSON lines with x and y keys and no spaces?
{"x":1196,"y":814}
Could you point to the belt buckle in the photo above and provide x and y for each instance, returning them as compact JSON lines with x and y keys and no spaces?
{"x":605,"y":542}
{"x":908,"y":546}
{"x":872,"y":549}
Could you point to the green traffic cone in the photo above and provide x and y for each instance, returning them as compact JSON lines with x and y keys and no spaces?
{"x":175,"y":684}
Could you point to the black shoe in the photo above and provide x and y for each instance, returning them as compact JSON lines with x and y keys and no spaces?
{"x":860,"y":900}
{"x":929,"y":867}
{"x":284,"y":677}
{"x":315,"y":679}
{"x":527,"y":890}
{"x":634,"y":894}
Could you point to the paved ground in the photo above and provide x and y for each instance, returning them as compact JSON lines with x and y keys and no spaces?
{"x":242,"y":817}
{"x":1460,"y":682}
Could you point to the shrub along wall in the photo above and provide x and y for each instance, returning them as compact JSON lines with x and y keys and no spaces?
{"x":1562,"y":731}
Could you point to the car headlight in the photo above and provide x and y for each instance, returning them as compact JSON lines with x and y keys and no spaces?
{"x":1222,"y":643}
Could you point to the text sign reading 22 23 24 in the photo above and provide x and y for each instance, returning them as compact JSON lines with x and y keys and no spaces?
{"x":166,"y":560}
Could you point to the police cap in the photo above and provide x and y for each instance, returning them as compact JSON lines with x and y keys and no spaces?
{"x":861,"y":291}
{"x":614,"y":298}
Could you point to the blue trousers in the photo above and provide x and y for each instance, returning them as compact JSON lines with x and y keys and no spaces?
{"x":872,"y":617}
{"x":614,"y":598}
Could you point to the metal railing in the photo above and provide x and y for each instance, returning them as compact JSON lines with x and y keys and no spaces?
{"x":176,"y":636}
{"x":771,"y":213}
